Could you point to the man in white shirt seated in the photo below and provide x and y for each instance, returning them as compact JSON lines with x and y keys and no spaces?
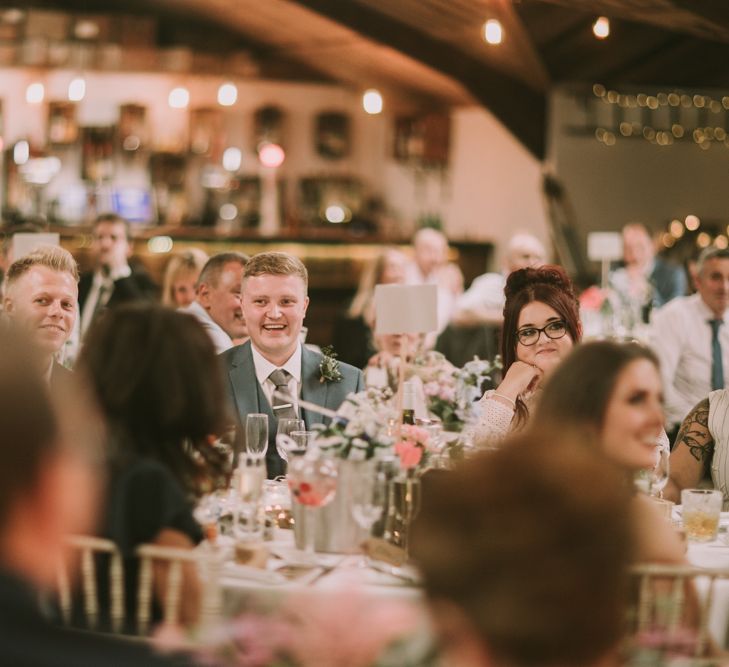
{"x":41,"y":297}
{"x":483,"y":301}
{"x":273,"y":370}
{"x":430,"y":266}
{"x":691,"y":338}
{"x":217,"y":303}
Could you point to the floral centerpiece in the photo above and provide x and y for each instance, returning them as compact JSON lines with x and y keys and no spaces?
{"x":362,"y":428}
{"x":451,"y":392}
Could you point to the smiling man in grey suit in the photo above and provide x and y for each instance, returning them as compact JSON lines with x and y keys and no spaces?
{"x":274,"y":306}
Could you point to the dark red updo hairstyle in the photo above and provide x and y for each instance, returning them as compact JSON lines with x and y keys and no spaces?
{"x":548,"y":284}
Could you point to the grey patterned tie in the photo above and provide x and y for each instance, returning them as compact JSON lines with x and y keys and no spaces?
{"x":282,"y":407}
{"x":717,"y":362}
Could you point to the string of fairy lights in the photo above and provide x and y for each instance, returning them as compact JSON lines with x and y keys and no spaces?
{"x":662,"y":118}
{"x":691,"y":233}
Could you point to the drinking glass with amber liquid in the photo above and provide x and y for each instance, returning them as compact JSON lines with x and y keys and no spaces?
{"x":701,"y":510}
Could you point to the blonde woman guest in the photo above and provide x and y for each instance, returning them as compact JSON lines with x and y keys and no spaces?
{"x":182,"y":271}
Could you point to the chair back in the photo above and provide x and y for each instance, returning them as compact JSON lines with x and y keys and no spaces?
{"x":673,"y":608}
{"x":88,"y":548}
{"x":209,"y":567}
{"x":88,"y":552}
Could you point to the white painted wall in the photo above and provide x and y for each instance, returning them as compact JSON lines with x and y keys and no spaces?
{"x":635,"y":180}
{"x":491,"y":189}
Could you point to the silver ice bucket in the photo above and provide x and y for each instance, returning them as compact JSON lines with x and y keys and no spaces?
{"x":335,"y":530}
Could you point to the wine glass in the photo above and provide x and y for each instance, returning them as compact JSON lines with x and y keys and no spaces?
{"x":283,"y":435}
{"x":312,"y":480}
{"x":369,"y":496}
{"x":257,"y":434}
{"x":658,"y":476}
{"x":301,"y":442}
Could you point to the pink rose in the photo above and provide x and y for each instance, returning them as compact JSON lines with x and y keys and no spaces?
{"x":592,"y":298}
{"x":431,"y":388}
{"x":409,"y":454}
{"x":447,"y":393}
{"x":416,"y":433}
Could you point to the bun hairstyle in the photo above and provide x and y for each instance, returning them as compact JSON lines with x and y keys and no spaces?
{"x":548,"y":284}
{"x":522,"y":279}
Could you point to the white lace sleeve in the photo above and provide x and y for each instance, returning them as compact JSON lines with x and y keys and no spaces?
{"x":494,"y":423}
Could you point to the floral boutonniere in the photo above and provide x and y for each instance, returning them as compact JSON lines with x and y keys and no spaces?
{"x":329,"y":366}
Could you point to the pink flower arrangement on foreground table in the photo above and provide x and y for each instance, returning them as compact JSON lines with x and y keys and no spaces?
{"x":342,"y":628}
{"x":412,"y":447}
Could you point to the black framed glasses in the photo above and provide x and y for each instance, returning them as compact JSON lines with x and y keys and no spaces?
{"x":530,"y":335}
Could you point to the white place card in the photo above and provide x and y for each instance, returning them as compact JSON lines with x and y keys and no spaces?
{"x":26,"y":243}
{"x":604,"y":246}
{"x":406,"y":309}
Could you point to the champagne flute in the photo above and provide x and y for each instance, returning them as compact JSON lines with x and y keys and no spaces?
{"x":658,"y":477}
{"x":257,"y":434}
{"x":250,"y":476}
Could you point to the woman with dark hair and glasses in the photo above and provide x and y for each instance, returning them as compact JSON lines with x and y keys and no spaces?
{"x":541,"y":324}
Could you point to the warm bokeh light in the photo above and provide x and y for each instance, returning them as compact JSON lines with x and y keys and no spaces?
{"x":677,"y":229}
{"x":160,"y":244}
{"x":335,"y":213}
{"x":271,"y":155}
{"x":601,"y":27}
{"x":227,"y":94}
{"x":372,"y":101}
{"x":721,"y":242}
{"x":35,"y":93}
{"x":493,"y":33}
{"x":21,"y":152}
{"x":232,"y":158}
{"x":228,"y":212}
{"x":76,"y":90}
{"x":179,"y":98}
{"x":692,"y":223}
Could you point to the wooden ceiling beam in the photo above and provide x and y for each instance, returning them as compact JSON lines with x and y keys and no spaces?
{"x":521,"y":109}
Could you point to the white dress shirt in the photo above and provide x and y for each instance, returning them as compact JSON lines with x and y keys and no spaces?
{"x":221,"y":340}
{"x":264,"y":368}
{"x":681,"y":337}
{"x":98,"y":282}
{"x":486,"y":291}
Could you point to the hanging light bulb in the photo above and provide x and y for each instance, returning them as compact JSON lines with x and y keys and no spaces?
{"x":76,"y":90}
{"x":601,"y":27}
{"x":493,"y":33}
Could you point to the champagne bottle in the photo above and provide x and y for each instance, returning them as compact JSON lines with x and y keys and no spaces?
{"x":408,"y":403}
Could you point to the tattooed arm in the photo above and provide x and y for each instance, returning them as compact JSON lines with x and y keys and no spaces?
{"x":692,"y":452}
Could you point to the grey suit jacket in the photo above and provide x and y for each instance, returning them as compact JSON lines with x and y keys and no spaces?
{"x":246,"y":394}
